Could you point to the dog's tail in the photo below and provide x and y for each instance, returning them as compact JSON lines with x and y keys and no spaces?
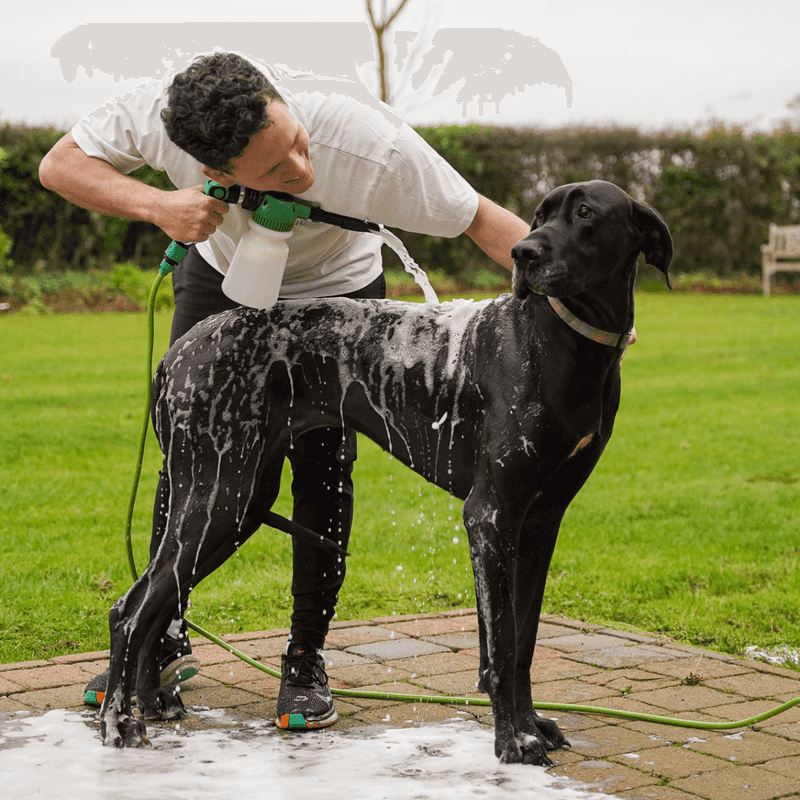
{"x":293,"y":529}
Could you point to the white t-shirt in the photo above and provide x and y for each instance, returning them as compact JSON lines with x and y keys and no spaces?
{"x":368,"y":163}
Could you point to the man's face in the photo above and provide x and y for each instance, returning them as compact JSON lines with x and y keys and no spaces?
{"x":276,"y":158}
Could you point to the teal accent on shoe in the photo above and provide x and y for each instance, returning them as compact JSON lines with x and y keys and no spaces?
{"x":187,"y":673}
{"x":91,"y":698}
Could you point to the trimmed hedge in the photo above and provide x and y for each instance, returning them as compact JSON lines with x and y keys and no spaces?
{"x":717,"y":189}
{"x":51,"y":234}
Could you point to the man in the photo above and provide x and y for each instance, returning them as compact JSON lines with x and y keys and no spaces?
{"x":222,"y":118}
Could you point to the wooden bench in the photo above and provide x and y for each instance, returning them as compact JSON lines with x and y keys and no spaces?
{"x":782,"y":254}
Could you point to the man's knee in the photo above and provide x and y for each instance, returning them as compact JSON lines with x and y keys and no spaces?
{"x":325,"y":455}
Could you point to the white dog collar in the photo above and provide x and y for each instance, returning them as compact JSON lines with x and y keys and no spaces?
{"x":618,"y":340}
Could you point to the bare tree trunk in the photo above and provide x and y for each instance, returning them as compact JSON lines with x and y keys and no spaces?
{"x":380,"y":25}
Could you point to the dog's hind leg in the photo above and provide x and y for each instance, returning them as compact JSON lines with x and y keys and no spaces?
{"x":202,"y":531}
{"x":174,"y":573}
{"x":118,"y":725}
{"x":137,"y":622}
{"x":215,"y":507}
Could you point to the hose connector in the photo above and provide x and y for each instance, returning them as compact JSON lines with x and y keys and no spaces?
{"x":173,"y":256}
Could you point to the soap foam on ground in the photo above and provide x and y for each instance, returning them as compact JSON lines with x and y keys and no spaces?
{"x":59,"y":755}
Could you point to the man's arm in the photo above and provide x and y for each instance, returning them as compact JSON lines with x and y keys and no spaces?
{"x":186,"y":215}
{"x":496,"y":231}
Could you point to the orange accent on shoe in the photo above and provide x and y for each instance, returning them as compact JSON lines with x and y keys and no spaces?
{"x":292,"y":721}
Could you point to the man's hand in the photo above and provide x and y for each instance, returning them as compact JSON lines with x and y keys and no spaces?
{"x":188,"y":215}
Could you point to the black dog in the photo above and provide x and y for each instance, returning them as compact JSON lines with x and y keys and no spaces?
{"x":506,"y":403}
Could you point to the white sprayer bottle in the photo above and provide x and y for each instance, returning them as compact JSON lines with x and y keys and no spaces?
{"x":256,"y":270}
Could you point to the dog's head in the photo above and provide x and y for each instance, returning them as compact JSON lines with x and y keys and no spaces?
{"x":584,"y":235}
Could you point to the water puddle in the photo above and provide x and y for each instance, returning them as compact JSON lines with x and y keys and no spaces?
{"x":59,"y":755}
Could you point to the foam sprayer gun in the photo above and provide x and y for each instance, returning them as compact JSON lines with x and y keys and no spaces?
{"x":255,"y":272}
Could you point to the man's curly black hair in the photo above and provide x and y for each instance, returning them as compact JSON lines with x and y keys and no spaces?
{"x":215,"y":106}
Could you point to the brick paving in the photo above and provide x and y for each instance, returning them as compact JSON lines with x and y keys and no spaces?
{"x":575,"y":663}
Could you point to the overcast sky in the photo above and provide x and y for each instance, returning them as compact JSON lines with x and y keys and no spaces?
{"x":651,"y":64}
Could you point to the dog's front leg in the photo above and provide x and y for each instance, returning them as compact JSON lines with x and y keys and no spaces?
{"x":493,"y":543}
{"x":536,"y":543}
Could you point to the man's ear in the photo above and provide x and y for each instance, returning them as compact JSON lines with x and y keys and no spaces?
{"x":212,"y":174}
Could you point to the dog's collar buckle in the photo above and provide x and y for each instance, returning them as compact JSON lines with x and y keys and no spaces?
{"x":618,"y":340}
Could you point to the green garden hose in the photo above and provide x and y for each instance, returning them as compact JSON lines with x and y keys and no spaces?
{"x":480,"y":701}
{"x":151,"y":303}
{"x":166,"y":268}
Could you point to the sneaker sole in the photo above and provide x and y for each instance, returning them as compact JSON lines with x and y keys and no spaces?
{"x":297,"y":722}
{"x":176,"y":672}
{"x":180,"y":670}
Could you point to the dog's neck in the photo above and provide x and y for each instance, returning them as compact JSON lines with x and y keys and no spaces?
{"x":604,"y":316}
{"x":618,"y":340}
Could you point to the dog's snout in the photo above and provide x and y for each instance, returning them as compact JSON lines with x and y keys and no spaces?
{"x":527,"y":250}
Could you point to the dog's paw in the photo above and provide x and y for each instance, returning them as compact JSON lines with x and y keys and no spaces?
{"x":522,"y":749}
{"x":161,"y":704}
{"x":124,"y":731}
{"x":534,"y":751}
{"x":549,"y":733}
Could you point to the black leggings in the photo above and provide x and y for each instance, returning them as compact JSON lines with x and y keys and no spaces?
{"x":322,"y":466}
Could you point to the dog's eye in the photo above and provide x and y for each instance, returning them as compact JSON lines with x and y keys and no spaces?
{"x":584,"y":212}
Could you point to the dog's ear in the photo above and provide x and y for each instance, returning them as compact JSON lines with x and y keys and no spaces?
{"x":657,"y":244}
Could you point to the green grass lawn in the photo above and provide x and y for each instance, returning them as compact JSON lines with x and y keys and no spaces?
{"x":690,"y":525}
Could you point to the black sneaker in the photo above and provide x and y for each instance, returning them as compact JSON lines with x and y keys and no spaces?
{"x":177,"y":665}
{"x":304,"y":700}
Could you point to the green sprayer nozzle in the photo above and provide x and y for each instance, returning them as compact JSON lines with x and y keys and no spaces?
{"x":280,"y":215}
